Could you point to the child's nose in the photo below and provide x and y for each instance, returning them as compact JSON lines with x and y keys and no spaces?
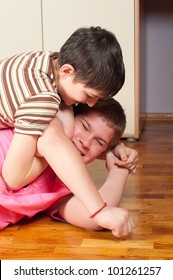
{"x":86,"y":143}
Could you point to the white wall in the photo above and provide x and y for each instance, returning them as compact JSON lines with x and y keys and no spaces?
{"x":159,"y":58}
{"x":20,"y":26}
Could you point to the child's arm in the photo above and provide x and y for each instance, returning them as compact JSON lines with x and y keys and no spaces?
{"x":74,"y":212}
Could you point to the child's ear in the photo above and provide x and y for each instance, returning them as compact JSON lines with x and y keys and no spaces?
{"x":66,"y":70}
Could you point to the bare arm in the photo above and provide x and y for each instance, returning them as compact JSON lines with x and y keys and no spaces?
{"x":70,"y":168}
{"x":73,"y":211}
{"x":67,"y":163}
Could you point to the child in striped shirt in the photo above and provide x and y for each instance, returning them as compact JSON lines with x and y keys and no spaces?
{"x":33,"y":86}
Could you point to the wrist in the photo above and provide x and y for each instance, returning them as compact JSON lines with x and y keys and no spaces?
{"x":119,"y":170}
{"x":99,"y":210}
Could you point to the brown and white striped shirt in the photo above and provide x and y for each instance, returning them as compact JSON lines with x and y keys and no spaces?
{"x":28,"y":93}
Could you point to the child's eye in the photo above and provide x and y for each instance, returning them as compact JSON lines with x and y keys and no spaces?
{"x":84,"y":126}
{"x":87,"y":95}
{"x":100,"y":142}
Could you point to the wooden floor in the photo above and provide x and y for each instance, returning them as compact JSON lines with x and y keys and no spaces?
{"x":148,"y":196}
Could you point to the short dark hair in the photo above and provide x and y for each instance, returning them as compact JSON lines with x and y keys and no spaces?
{"x":97,"y":59}
{"x":110,"y":110}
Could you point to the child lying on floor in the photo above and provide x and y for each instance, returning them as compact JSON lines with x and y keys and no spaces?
{"x":96,"y":131}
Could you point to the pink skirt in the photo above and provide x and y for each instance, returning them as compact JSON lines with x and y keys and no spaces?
{"x":38,"y":196}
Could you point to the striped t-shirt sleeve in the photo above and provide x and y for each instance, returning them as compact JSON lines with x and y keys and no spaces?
{"x":33,"y":116}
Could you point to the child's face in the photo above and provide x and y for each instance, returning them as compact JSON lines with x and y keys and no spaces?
{"x":92,"y":135}
{"x":73,"y":92}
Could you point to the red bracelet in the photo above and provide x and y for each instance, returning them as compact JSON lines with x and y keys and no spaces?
{"x":93,"y":215}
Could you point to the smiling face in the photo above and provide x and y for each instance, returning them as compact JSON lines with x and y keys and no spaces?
{"x":92,"y":135}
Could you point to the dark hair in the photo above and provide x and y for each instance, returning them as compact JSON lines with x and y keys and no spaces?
{"x":110,"y":110}
{"x":97,"y":59}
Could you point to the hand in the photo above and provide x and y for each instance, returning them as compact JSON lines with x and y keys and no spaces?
{"x":111,"y":160}
{"x":126,"y":157}
{"x":116,"y":219}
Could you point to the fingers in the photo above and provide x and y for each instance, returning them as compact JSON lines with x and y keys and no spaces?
{"x":130,"y":164}
{"x":120,"y":151}
{"x":124,"y":228}
{"x":127,"y":157}
{"x":133,"y":165}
